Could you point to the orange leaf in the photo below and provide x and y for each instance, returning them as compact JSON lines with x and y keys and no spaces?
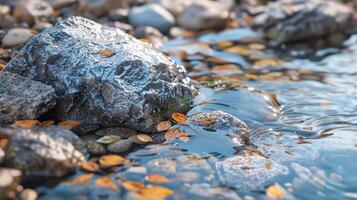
{"x":275,"y":192}
{"x":154,"y":192}
{"x":3,"y":143}
{"x":90,"y":166}
{"x":106,"y":53}
{"x":176,"y":133}
{"x":2,"y":64}
{"x":69,"y":124}
{"x":140,"y":139}
{"x":81,"y":179}
{"x":26,"y":123}
{"x":132,"y":185}
{"x":206,"y":122}
{"x":163,"y":126}
{"x":47,"y":123}
{"x":110,"y":160}
{"x":106,"y":182}
{"x":179,"y":117}
{"x":157,"y":178}
{"x":268,"y":165}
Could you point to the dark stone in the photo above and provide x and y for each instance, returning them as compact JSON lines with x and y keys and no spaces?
{"x":136,"y":87}
{"x":22,"y":98}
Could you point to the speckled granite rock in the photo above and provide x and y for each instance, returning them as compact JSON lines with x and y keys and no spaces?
{"x":51,"y":151}
{"x":294,"y":20}
{"x":22,"y":98}
{"x":104,"y":76}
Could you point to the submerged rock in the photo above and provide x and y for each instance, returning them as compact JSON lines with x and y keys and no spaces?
{"x":104,"y":76}
{"x":38,"y":151}
{"x":22,"y":98}
{"x":294,"y":20}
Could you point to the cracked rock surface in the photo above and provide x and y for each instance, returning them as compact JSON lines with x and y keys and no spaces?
{"x":104,"y":76}
{"x":17,"y":101}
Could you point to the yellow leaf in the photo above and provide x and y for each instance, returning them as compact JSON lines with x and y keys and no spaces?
{"x":69,"y":124}
{"x":47,"y":123}
{"x":179,"y":117}
{"x":106,"y":53}
{"x":81,"y":179}
{"x":90,"y":166}
{"x":26,"y":123}
{"x":110,"y":160}
{"x":154,"y":192}
{"x":275,"y":192}
{"x":163,"y":126}
{"x":106,"y":182}
{"x":240,"y":50}
{"x":140,"y":139}
{"x":157,"y":178}
{"x":132,"y":185}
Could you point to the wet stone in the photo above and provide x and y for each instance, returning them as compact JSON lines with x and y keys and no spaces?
{"x":120,"y":146}
{"x":18,"y":102}
{"x":38,"y":151}
{"x":96,"y":148}
{"x":290,"y":21}
{"x":17,"y":36}
{"x":107,"y":77}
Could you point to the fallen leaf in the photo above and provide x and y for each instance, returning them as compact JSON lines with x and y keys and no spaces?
{"x":240,"y":50}
{"x":106,"y":182}
{"x":3,"y":143}
{"x":268,"y":166}
{"x":108,"y":139}
{"x":206,"y":122}
{"x":110,"y":160}
{"x":81,"y":179}
{"x":176,"y":133}
{"x":275,"y":192}
{"x":157,"y":178}
{"x":47,"y":123}
{"x":132,"y":185}
{"x":145,"y":41}
{"x":179,"y":117}
{"x":106,"y":53}
{"x":154,"y":192}
{"x":2,"y":64}
{"x":163,"y":126}
{"x":140,"y":139}
{"x":26,"y":123}
{"x":69,"y":124}
{"x":90,"y":166}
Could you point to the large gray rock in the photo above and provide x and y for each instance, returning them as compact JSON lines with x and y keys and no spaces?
{"x":131,"y":85}
{"x":22,"y":98}
{"x":51,"y":151}
{"x":152,"y":15}
{"x":294,"y":20}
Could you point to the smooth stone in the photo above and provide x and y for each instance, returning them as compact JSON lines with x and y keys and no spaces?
{"x":101,"y":7}
{"x":119,"y":14}
{"x":96,"y":149}
{"x":107,"y":78}
{"x":22,"y":98}
{"x":120,"y":146}
{"x":40,"y":26}
{"x":31,"y":10}
{"x":61,"y":3}
{"x":152,"y":15}
{"x":9,"y":181}
{"x":28,"y":194}
{"x":202,"y":15}
{"x":17,"y":36}
{"x":47,"y":152}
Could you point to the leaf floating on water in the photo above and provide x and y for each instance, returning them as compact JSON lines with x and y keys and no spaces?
{"x":108,"y":139}
{"x":275,"y":192}
{"x":106,"y":182}
{"x":206,"y":122}
{"x":47,"y":123}
{"x":154,"y":192}
{"x":90,"y":166}
{"x":173,"y":134}
{"x":2,"y":65}
{"x":179,"y":117}
{"x":132,"y":185}
{"x":69,"y":124}
{"x":163,"y":126}
{"x":157,"y":178}
{"x":27,"y":123}
{"x":81,"y":179}
{"x":140,"y":139}
{"x":110,"y":160}
{"x":106,"y":53}
{"x":268,"y":165}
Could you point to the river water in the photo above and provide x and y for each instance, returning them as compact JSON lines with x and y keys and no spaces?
{"x":302,"y":114}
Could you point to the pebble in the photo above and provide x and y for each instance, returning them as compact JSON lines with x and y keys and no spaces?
{"x":203,"y":15}
{"x":152,"y":15}
{"x":31,"y":10}
{"x":61,"y":3}
{"x":9,"y":180}
{"x":120,"y":146}
{"x":40,"y":26}
{"x":28,"y":194}
{"x":101,"y":7}
{"x":119,"y":14}
{"x":16,"y":37}
{"x":96,"y":149}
